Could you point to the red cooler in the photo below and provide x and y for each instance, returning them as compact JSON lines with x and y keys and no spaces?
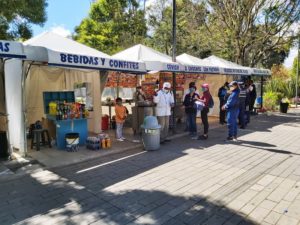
{"x":105,"y":122}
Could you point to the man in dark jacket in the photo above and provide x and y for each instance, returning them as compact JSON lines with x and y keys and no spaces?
{"x":242,"y":105}
{"x":232,"y":108}
{"x":253,"y":95}
{"x":221,"y":94}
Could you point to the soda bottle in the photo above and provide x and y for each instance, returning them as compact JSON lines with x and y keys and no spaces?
{"x":108,"y":143}
{"x":103,"y":143}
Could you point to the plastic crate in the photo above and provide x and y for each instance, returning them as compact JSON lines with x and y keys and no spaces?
{"x":93,"y":143}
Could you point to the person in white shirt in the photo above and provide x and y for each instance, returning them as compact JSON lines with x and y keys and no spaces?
{"x":164,"y":100}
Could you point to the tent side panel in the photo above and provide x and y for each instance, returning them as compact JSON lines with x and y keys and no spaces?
{"x":13,"y":76}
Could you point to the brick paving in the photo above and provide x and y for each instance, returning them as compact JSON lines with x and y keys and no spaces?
{"x":253,"y":181}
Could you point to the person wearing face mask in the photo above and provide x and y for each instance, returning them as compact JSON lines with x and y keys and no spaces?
{"x":191,"y":110}
{"x":187,"y":91}
{"x":205,"y":98}
{"x":232,"y":108}
{"x":164,"y":100}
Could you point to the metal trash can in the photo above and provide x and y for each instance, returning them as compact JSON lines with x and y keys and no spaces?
{"x":151,"y":133}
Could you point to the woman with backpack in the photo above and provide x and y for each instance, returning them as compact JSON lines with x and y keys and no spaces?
{"x":207,"y":99}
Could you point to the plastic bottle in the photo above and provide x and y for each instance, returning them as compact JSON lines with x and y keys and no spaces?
{"x":108,"y":143}
{"x":103,"y":143}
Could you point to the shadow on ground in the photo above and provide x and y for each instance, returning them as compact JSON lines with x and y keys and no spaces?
{"x":73,"y":193}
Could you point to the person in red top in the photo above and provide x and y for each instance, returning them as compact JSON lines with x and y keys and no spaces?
{"x":205,"y":98}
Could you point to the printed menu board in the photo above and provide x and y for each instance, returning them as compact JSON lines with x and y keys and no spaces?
{"x":121,"y":79}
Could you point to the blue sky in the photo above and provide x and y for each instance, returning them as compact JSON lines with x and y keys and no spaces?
{"x":63,"y":16}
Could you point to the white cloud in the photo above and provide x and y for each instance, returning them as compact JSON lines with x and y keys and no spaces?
{"x":61,"y":30}
{"x":288,"y":62}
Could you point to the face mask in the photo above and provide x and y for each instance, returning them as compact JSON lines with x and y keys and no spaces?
{"x":165,"y":90}
{"x":192,"y":90}
{"x":119,"y":103}
{"x":204,"y":89}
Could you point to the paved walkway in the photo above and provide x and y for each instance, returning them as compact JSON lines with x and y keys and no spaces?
{"x":253,"y":181}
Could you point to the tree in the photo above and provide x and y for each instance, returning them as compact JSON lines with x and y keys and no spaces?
{"x":190,"y":17}
{"x":112,"y":25}
{"x":17,"y":15}
{"x":252,"y":30}
{"x":15,"y":19}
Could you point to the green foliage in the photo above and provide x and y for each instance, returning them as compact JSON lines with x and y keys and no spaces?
{"x":249,"y":32}
{"x":190,"y":18}
{"x":17,"y":15}
{"x":270,"y":100}
{"x":112,"y":25}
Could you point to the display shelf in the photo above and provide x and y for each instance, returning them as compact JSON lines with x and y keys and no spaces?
{"x":53,"y":96}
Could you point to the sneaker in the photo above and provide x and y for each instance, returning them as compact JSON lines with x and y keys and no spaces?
{"x":194,"y":138}
{"x":203,"y":137}
{"x":120,"y":139}
{"x":235,"y":138}
{"x":123,"y":138}
{"x":167,"y":140}
{"x":229,"y":139}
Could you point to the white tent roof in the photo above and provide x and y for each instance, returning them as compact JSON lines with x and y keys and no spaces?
{"x":60,"y":51}
{"x":11,"y":49}
{"x":195,"y":65}
{"x":154,"y":60}
{"x":228,"y":67}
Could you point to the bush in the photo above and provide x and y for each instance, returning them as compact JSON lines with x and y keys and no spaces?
{"x":271,"y":100}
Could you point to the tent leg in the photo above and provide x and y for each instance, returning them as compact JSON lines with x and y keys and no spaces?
{"x":174,"y":108}
{"x":23,"y":118}
{"x":262,"y":90}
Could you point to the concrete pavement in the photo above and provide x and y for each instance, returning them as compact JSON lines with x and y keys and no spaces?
{"x":253,"y":181}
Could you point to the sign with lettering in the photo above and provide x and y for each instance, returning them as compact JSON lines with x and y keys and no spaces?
{"x":202,"y":69}
{"x":11,"y":49}
{"x":262,"y":72}
{"x":93,"y":62}
{"x":164,"y":66}
{"x":236,"y":71}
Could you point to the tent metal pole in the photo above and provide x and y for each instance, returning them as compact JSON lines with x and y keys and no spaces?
{"x":23,"y":80}
{"x":174,"y":60}
{"x":10,"y":151}
{"x":262,"y":91}
{"x":297,"y":76}
{"x":24,"y":113}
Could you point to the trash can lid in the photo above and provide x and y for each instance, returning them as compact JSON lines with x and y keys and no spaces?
{"x":150,"y":122}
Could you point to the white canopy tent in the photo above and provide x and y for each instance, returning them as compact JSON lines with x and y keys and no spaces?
{"x":155,"y":61}
{"x":55,"y":63}
{"x":228,"y":67}
{"x":8,"y":50}
{"x":195,"y":65}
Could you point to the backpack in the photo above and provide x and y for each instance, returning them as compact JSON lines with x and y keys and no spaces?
{"x":211,"y":102}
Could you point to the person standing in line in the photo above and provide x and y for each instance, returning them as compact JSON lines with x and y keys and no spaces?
{"x":232,"y":108}
{"x":139,"y":95}
{"x":247,"y":103}
{"x":222,"y":94}
{"x":253,"y":95}
{"x":242,"y":105}
{"x":164,"y":100}
{"x":191,"y":110}
{"x":206,"y":99}
{"x":121,"y":114}
{"x":187,"y":91}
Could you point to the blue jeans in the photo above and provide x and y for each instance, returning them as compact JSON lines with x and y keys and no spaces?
{"x":232,"y":116}
{"x":191,"y":118}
